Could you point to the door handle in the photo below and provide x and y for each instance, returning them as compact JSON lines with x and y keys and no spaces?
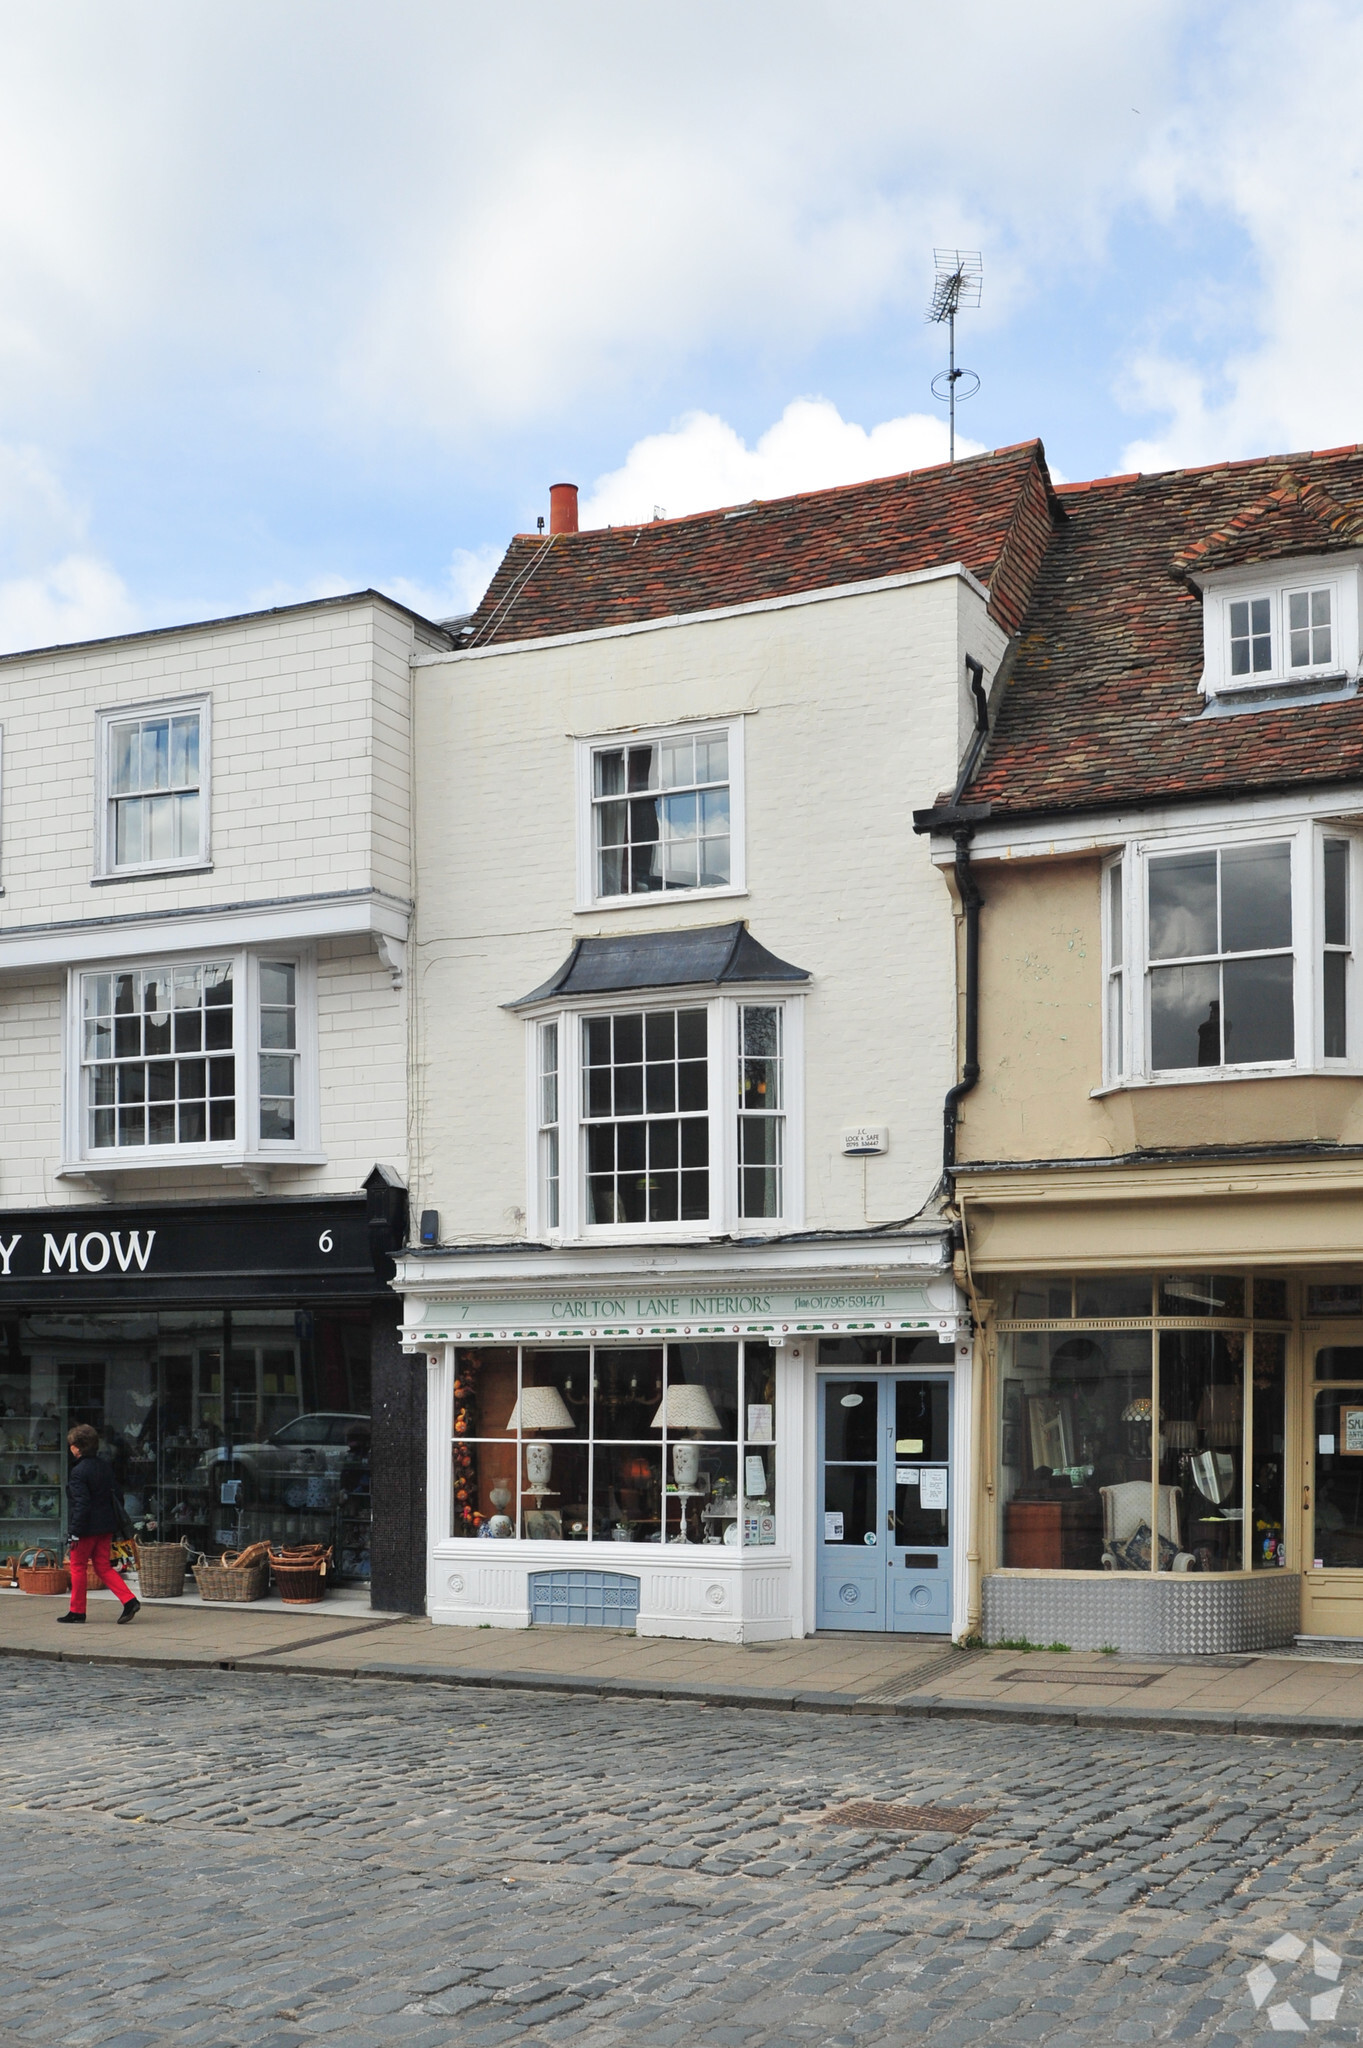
{"x":889,"y":1520}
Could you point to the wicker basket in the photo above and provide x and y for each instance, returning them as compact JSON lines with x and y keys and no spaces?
{"x":7,"y":1572}
{"x":161,"y":1570}
{"x":300,"y":1573}
{"x":45,"y":1573}
{"x":229,"y":1579}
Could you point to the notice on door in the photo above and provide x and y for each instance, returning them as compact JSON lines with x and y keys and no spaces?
{"x":932,"y":1489}
{"x":832,"y":1526}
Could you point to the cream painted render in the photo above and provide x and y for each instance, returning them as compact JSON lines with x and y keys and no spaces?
{"x":855,"y":709}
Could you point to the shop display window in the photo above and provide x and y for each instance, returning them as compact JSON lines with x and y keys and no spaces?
{"x":1125,"y":1446}
{"x":666,"y":1443}
{"x":224,"y":1427}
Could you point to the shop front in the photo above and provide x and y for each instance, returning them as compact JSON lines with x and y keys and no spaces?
{"x":685,"y":1449}
{"x":1174,"y":1461}
{"x":228,"y":1355}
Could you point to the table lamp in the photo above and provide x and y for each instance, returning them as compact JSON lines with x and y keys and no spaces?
{"x":540,"y":1408}
{"x":690,"y":1408}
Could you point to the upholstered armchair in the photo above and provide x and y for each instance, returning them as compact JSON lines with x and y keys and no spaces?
{"x":1126,"y":1509}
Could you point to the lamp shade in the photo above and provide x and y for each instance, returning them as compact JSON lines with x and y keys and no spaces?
{"x":686,"y":1408}
{"x":540,"y":1408}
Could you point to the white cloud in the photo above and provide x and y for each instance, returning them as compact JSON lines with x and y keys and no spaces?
{"x":53,"y":586}
{"x":703,"y":463}
{"x":77,"y":598}
{"x":468,"y":576}
{"x":1268,"y":140}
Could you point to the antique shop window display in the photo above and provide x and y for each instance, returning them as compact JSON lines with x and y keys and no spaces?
{"x":1130,"y":1404}
{"x":224,"y":1427}
{"x":666,"y":1443}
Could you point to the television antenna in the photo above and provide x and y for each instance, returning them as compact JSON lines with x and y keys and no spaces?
{"x":959,"y":276}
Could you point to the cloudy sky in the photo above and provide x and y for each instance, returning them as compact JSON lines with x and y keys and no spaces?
{"x":303,"y":295}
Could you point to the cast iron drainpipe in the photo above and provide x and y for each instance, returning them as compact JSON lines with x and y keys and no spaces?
{"x":968,"y":890}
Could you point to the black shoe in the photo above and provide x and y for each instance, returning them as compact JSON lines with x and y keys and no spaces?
{"x":130,"y":1608}
{"x":70,"y":1617}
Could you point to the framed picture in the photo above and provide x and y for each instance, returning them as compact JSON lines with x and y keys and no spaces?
{"x":1052,"y":1432}
{"x":1350,"y":1432}
{"x":543,"y":1525}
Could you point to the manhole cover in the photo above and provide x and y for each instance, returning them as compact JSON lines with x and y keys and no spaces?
{"x":916,"y":1820}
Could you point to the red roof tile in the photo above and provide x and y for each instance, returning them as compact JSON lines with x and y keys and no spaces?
{"x":994,"y":513}
{"x":1102,"y":707}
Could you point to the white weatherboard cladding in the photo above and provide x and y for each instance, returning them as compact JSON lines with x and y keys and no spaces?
{"x":854,"y":712}
{"x":310,"y":860}
{"x":310,"y":775}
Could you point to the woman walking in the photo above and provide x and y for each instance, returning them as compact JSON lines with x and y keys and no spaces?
{"x":94,"y":1517}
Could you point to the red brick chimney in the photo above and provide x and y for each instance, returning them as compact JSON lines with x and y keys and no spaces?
{"x":563,"y":508}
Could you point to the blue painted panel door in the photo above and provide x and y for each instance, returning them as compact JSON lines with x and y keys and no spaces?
{"x":883,"y":1539}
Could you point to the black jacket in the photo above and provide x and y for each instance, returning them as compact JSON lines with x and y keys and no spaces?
{"x":90,"y":1498}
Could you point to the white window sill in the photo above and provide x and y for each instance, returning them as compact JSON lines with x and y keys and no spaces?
{"x":566,"y":1550}
{"x":1197,"y":1077}
{"x":175,"y":867}
{"x":185,"y":1159}
{"x":648,"y":897}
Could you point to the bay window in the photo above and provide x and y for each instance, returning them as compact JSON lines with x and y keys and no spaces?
{"x":1230,"y":955}
{"x":679,"y":1116}
{"x":665,"y":1443}
{"x":174,"y":1060}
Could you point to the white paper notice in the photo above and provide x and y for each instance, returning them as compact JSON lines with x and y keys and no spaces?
{"x":906,"y":1475}
{"x":759,"y":1422}
{"x":754,"y":1476}
{"x":1326,"y":1446}
{"x":832,"y":1527}
{"x":932,"y":1489}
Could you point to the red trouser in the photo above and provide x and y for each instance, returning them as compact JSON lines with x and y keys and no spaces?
{"x":93,"y":1550}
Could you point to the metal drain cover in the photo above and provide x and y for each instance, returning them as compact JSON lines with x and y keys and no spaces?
{"x":914,"y":1820}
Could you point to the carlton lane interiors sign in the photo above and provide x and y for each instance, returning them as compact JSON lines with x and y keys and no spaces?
{"x":779,"y":1312}
{"x":189,"y":1252}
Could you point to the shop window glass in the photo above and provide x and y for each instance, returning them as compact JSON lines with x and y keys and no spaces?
{"x":644,"y":1444}
{"x":1201,"y":1442}
{"x":1107,"y":1435}
{"x":1270,"y":1300}
{"x":1202,"y":1294}
{"x":224,"y":1427}
{"x":1112,"y":1297}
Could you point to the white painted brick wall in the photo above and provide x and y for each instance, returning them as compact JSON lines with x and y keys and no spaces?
{"x":856,"y":714}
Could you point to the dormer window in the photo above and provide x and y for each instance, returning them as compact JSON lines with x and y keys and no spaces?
{"x":1308,"y":628}
{"x":1251,"y":636}
{"x":1307,"y":615}
{"x":1300,"y":629}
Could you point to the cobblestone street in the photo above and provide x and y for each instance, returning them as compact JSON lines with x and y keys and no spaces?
{"x":230,"y":1861}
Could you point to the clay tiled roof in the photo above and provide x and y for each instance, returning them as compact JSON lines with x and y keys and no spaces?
{"x":994,"y":513}
{"x":1102,"y":706}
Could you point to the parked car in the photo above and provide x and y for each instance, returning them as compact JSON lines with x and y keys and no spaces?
{"x":306,"y":1446}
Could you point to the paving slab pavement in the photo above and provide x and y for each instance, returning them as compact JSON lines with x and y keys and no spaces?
{"x":344,"y":1637}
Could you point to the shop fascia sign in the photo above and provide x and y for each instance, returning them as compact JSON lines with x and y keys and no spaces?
{"x":772,"y":1312}
{"x":74,"y":1252}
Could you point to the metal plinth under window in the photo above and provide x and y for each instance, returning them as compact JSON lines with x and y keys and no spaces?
{"x":576,"y":1599}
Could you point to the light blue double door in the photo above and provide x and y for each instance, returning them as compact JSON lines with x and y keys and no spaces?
{"x":883,"y":1538}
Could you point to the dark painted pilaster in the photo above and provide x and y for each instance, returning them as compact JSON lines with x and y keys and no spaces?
{"x":398,"y":1468}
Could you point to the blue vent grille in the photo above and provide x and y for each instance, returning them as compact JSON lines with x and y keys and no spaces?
{"x":583,"y":1600}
